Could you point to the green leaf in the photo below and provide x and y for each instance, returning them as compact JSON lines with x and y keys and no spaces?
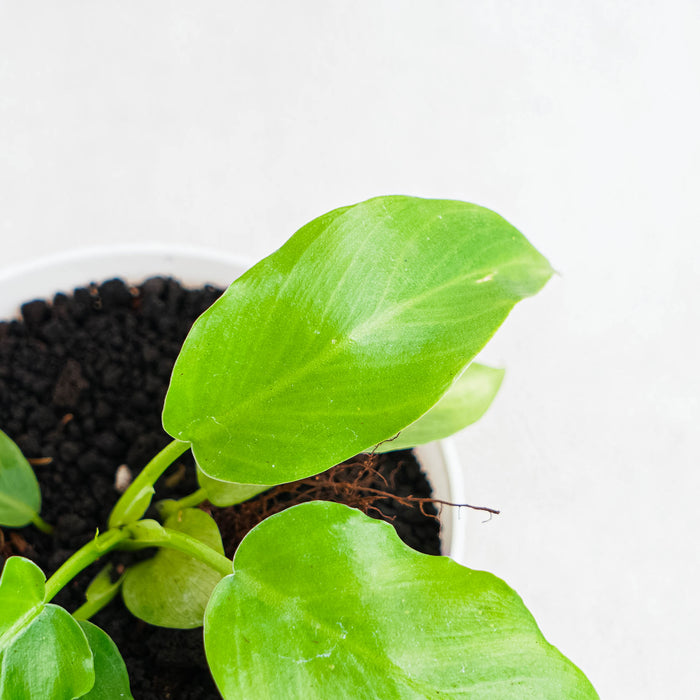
{"x":226,"y":493}
{"x":463,"y":404}
{"x":100,"y":592}
{"x":347,"y":334}
{"x":102,"y":587}
{"x":172,"y":589}
{"x":325,"y":602}
{"x":20,"y":498}
{"x":43,"y":651}
{"x":21,"y":595}
{"x":132,"y":510}
{"x":111,"y":677}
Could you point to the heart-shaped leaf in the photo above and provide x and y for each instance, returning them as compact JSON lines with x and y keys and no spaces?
{"x":172,"y":589}
{"x":20,"y":498}
{"x":325,"y":602}
{"x":43,"y":651}
{"x":463,"y":404}
{"x":347,"y":334}
{"x":111,"y":677}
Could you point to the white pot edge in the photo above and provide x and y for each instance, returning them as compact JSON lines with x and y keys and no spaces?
{"x":42,"y":278}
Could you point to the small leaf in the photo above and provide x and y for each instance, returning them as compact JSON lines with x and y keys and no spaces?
{"x":347,"y":334}
{"x":43,"y":651}
{"x":20,"y":498}
{"x":463,"y":404}
{"x":325,"y":602}
{"x":226,"y":493}
{"x":172,"y":589}
{"x":111,"y":677}
{"x":133,"y":509}
{"x":99,"y":593}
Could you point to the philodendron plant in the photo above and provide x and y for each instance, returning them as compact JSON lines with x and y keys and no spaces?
{"x":362,"y":327}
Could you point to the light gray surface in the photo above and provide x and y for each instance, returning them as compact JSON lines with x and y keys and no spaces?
{"x":231,"y":124}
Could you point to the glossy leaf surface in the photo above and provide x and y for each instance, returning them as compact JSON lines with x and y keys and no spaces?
{"x":463,"y":404}
{"x":43,"y":651}
{"x":325,"y":602}
{"x":20,"y":498}
{"x":347,"y":334}
{"x":111,"y":677}
{"x":172,"y":589}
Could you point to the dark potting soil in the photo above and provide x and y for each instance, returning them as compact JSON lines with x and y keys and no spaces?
{"x":82,"y":383}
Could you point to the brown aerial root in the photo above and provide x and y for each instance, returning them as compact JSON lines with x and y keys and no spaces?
{"x":358,"y":483}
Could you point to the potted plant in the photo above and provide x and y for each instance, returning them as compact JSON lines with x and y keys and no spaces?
{"x":388,"y":300}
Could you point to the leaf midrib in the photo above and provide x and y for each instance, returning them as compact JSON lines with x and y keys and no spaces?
{"x":321,"y":359}
{"x":20,"y":625}
{"x":18,"y":505}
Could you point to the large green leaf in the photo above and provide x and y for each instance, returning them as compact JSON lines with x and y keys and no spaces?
{"x":172,"y":589}
{"x":463,"y":404}
{"x":347,"y":334}
{"x":43,"y":650}
{"x":111,"y":677}
{"x":20,"y":498}
{"x":325,"y":602}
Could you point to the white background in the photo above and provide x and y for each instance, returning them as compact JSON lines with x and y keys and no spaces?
{"x":230,"y":124}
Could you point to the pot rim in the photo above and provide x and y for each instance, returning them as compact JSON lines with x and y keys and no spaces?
{"x":196,"y":266}
{"x":43,"y":277}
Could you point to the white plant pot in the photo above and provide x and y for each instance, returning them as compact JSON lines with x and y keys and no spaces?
{"x":193,"y":267}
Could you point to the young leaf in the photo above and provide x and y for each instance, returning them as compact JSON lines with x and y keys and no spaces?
{"x":325,"y":602}
{"x":226,"y":493}
{"x":111,"y":677}
{"x":43,"y":651}
{"x":100,"y":592}
{"x":347,"y":334}
{"x":463,"y":404}
{"x":172,"y":589}
{"x":20,"y":498}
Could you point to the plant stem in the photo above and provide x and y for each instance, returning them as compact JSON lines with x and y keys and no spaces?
{"x":92,"y":607}
{"x":40,"y":524}
{"x":134,"y":502}
{"x":145,"y":534}
{"x":191,"y":501}
{"x":87,"y":554}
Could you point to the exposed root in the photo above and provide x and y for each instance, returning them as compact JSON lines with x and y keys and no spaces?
{"x":359,"y":483}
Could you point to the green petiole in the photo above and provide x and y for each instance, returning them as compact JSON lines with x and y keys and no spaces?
{"x":85,"y":556}
{"x":139,"y":535}
{"x":191,"y":501}
{"x":134,"y":502}
{"x":92,"y":607}
{"x":40,"y":524}
{"x":166,"y":508}
{"x":148,"y":533}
